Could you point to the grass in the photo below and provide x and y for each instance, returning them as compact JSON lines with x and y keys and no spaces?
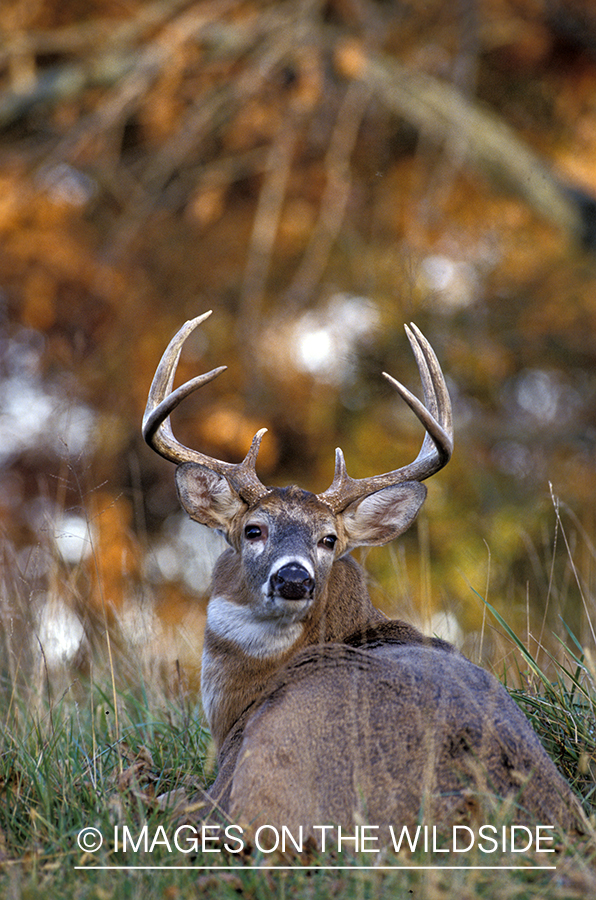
{"x":64,"y":768}
{"x":103,"y":751}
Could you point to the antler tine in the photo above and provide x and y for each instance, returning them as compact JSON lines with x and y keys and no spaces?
{"x":435,"y":415}
{"x":157,"y":429}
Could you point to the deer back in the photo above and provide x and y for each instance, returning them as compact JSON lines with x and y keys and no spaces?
{"x":386,"y":734}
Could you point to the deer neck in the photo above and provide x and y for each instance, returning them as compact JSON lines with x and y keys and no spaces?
{"x":241,"y":654}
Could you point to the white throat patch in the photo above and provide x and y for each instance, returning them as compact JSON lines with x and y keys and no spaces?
{"x":257,"y":637}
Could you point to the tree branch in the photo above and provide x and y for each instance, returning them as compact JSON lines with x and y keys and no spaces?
{"x":482,"y":138}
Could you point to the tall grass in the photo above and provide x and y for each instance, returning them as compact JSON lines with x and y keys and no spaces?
{"x":107,"y":744}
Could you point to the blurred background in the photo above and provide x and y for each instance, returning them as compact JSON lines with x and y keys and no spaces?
{"x":317,"y":172}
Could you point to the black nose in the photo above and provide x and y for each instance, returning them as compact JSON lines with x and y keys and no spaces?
{"x":292,"y":582}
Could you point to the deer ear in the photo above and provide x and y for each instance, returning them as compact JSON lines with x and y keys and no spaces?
{"x":207,"y":497}
{"x":381,"y":516}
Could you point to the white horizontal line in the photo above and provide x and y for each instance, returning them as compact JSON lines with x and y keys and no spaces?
{"x":330,"y":868}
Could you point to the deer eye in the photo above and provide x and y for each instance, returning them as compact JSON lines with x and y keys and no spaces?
{"x":329,"y":541}
{"x":254,"y":532}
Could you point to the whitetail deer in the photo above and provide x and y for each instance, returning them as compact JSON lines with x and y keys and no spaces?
{"x":322,"y":708}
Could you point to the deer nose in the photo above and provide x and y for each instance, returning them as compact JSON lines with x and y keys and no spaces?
{"x":292,"y":582}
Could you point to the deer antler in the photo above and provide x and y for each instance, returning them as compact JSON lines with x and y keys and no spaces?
{"x":158,"y":433}
{"x":437,"y":446}
{"x":434,"y":413}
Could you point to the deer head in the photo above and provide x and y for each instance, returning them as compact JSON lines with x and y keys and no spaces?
{"x":264,"y":523}
{"x":274,"y":589}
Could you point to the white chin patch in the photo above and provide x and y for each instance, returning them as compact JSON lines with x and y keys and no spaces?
{"x":262,"y":637}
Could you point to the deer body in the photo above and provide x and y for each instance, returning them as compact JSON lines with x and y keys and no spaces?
{"x":322,"y":709}
{"x":396,"y":735}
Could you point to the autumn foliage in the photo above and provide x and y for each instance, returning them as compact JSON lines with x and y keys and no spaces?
{"x":318,"y":173}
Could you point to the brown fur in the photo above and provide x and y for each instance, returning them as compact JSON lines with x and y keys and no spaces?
{"x":248,"y":677}
{"x":386,"y":734}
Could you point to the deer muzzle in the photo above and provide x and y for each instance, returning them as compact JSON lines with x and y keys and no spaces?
{"x":292,"y":582}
